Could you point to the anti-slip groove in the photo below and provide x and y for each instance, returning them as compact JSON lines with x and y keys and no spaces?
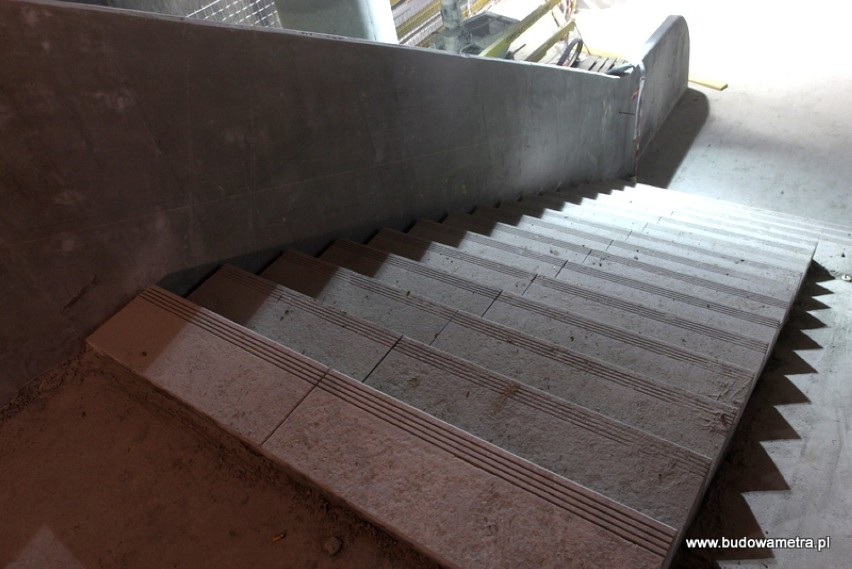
{"x":300,"y":302}
{"x":415,"y":267}
{"x":266,"y":350}
{"x":652,"y":314}
{"x":563,"y":410}
{"x":592,"y":507}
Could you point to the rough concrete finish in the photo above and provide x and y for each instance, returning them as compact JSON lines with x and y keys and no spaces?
{"x":661,"y":224}
{"x":627,"y":465}
{"x":460,"y":500}
{"x":462,"y":239}
{"x":737,"y":213}
{"x":678,"y":213}
{"x":770,"y":306}
{"x":99,"y":473}
{"x":411,"y":276}
{"x":626,"y":397}
{"x":447,"y":260}
{"x":496,"y":221}
{"x":575,"y":248}
{"x":712,"y":266}
{"x":721,"y":223}
{"x":667,"y":363}
{"x":324,"y":334}
{"x":526,"y":214}
{"x":666,"y":410}
{"x":360,"y":296}
{"x":188,"y":143}
{"x":548,"y":211}
{"x":343,"y":411}
{"x":206,"y":362}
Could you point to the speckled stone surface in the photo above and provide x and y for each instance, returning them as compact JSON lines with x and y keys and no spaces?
{"x":464,"y":502}
{"x":410,"y":276}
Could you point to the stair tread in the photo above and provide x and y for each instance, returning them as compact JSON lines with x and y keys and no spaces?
{"x":629,"y":239}
{"x":445,"y":258}
{"x":637,"y":262}
{"x":713,"y":267}
{"x":614,"y":392}
{"x":708,"y":240}
{"x":447,"y":493}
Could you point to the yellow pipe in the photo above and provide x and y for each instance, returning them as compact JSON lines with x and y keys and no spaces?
{"x":502,"y":43}
{"x":541,"y":50}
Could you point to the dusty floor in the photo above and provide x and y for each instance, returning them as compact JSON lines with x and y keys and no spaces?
{"x":94,"y":476}
{"x":89,"y":477}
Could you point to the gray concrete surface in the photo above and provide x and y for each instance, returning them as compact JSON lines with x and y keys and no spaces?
{"x":135,"y":145}
{"x":777,"y":138}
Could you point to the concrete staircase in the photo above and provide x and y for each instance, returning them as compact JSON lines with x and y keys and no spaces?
{"x":548,"y":383}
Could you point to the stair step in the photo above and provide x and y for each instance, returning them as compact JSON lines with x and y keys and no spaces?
{"x":747,"y":213}
{"x":713,"y":267}
{"x":446,"y":490}
{"x":636,"y":262}
{"x":478,"y":269}
{"x":703,"y":375}
{"x":351,"y":346}
{"x":717,"y":221}
{"x":667,"y":215}
{"x":664,"y":223}
{"x":630,"y":240}
{"x":520,"y":419}
{"x":410,"y":276}
{"x":614,"y":392}
{"x":600,"y":269}
{"x":714,"y":243}
{"x":685,"y":211}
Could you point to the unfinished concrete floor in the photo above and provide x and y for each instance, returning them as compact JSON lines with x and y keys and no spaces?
{"x":91,"y":478}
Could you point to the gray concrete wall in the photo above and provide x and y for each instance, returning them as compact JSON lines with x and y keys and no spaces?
{"x":133,"y":146}
{"x":665,"y":57}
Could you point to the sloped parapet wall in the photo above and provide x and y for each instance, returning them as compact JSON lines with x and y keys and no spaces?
{"x":665,"y":63}
{"x":134,"y":145}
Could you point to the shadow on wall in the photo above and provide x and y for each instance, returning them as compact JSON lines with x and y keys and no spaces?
{"x":666,"y":151}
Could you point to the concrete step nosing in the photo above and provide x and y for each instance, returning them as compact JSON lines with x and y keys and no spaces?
{"x":618,"y":334}
{"x":508,"y":218}
{"x":454,"y":253}
{"x":370,"y":285}
{"x":674,"y":295}
{"x":414,"y":266}
{"x":561,"y":409}
{"x":657,"y":315}
{"x":680,"y":215}
{"x":303,"y":303}
{"x":669,"y":236}
{"x":262,"y":348}
{"x":591,"y":506}
{"x":693,"y":280}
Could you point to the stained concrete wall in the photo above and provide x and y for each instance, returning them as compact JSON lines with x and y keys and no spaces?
{"x":665,"y":57}
{"x":133,"y":146}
